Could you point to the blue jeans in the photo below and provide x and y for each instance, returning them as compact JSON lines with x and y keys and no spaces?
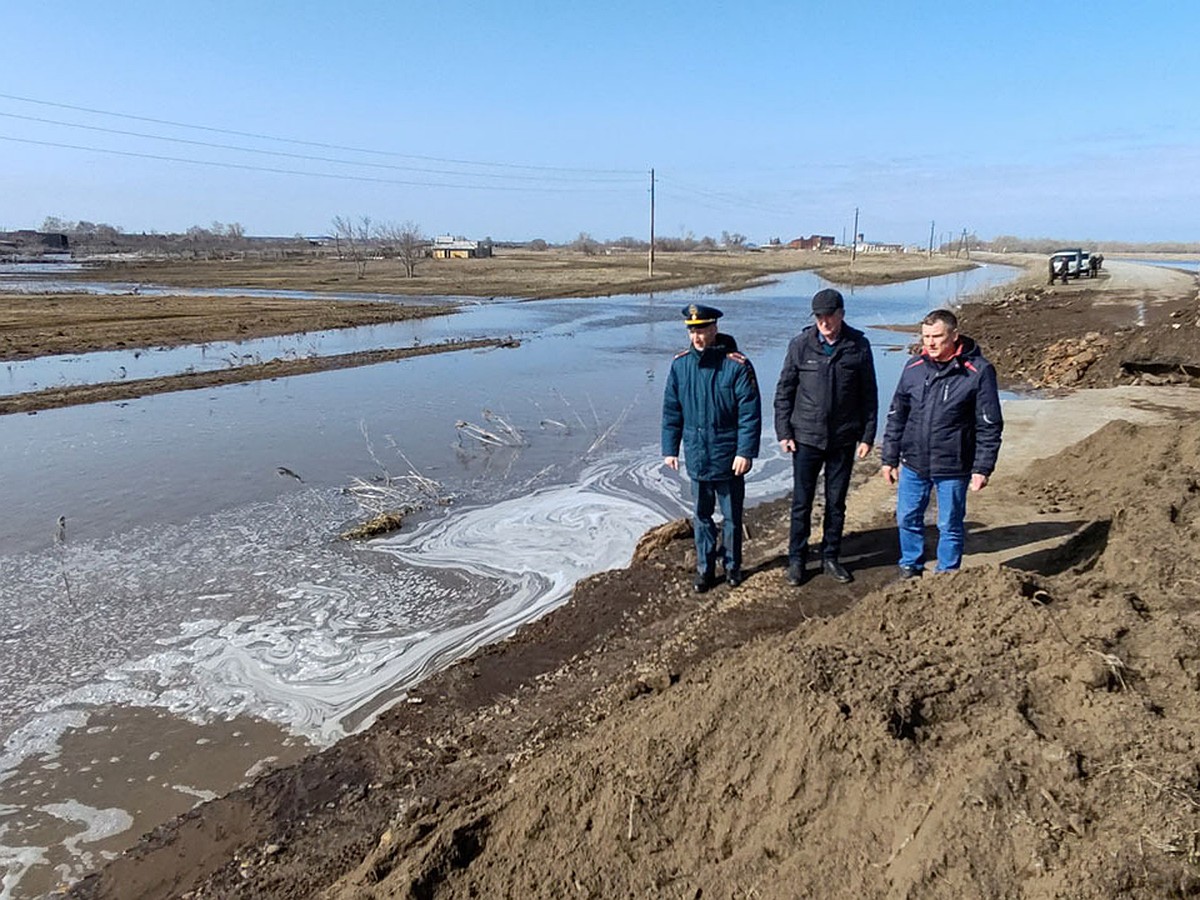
{"x":806,"y":466}
{"x":731,"y":493}
{"x":912,"y":499}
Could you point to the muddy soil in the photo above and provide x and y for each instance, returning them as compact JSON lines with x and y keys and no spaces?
{"x":1027,"y":727}
{"x":48,"y":324}
{"x":1132,"y":325}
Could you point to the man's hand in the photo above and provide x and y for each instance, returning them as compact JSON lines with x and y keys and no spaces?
{"x":891,"y":474}
{"x":741,"y":465}
{"x":671,"y":462}
{"x":978,"y":481}
{"x":787,"y":445}
{"x":863,"y":450}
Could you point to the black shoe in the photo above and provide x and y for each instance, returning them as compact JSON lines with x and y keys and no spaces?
{"x":837,"y":571}
{"x":795,"y":574}
{"x":734,"y":577}
{"x":701,"y":582}
{"x":909,"y":572}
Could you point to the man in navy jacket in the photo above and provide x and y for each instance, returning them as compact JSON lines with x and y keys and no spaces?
{"x":826,"y":408}
{"x":711,"y":404}
{"x":942,"y":435}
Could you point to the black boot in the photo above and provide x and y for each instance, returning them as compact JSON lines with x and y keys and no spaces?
{"x":837,"y":571}
{"x":796,"y":573}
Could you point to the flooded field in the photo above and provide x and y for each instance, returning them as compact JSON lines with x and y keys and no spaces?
{"x":199,"y":618}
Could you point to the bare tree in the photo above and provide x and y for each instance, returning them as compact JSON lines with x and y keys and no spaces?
{"x":733,"y":241}
{"x":355,"y":238}
{"x":585,"y":244}
{"x":405,"y":242}
{"x":202,"y":241}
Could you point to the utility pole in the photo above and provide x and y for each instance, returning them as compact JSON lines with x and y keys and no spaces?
{"x":854,"y":237}
{"x":966,"y":245}
{"x":930,"y":254}
{"x":651,"y":223}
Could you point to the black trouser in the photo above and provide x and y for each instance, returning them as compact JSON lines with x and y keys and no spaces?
{"x":806,"y":466}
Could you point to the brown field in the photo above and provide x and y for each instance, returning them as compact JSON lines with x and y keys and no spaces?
{"x":530,"y":275}
{"x":47,"y":324}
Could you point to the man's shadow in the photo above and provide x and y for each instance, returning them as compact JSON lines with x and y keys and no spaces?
{"x":879,"y":548}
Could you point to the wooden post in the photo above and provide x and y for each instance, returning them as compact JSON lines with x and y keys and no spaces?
{"x":651,"y":223}
{"x":854,"y":240}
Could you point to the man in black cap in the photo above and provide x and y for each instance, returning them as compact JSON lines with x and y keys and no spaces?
{"x":712,"y":406}
{"x":826,"y":406}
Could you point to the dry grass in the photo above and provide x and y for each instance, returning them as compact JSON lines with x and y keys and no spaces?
{"x":533,"y":275}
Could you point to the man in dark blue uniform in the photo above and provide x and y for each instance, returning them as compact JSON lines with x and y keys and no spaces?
{"x":712,"y":406}
{"x":942,"y":437}
{"x":826,"y":407}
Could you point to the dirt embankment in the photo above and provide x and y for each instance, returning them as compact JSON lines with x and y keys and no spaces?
{"x":113,"y":391}
{"x":1134,"y":324}
{"x":1019,"y":731}
{"x":1027,"y":727}
{"x":34,"y":325}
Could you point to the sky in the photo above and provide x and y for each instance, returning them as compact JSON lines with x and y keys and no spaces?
{"x":523,"y":120}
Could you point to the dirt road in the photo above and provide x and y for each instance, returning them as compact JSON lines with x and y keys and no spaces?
{"x":1133,"y":324}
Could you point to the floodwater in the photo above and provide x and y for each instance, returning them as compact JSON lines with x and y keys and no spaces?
{"x":198,"y":619}
{"x":1188,"y":265}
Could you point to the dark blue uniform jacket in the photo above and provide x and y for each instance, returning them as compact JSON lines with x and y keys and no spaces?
{"x":825,"y":400}
{"x":711,"y":404}
{"x":944,"y":421}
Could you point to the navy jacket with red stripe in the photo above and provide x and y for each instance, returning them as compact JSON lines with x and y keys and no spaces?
{"x":944,"y":420}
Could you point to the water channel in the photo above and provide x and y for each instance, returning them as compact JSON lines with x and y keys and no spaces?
{"x":201,"y":619}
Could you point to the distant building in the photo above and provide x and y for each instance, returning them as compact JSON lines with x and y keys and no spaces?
{"x":447,"y":247}
{"x":28,"y":239}
{"x":864,"y":246}
{"x":812,"y":242}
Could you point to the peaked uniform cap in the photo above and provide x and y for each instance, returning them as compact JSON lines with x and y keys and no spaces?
{"x":699,"y":314}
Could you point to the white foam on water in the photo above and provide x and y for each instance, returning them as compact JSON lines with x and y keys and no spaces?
{"x":98,"y":825}
{"x":38,"y":737}
{"x":16,"y":861}
{"x":247,"y":619}
{"x":201,"y":795}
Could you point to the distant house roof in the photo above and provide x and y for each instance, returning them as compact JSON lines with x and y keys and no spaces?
{"x":448,"y":242}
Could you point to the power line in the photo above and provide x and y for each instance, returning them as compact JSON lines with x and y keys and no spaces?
{"x":311,"y":158}
{"x":279,"y":171}
{"x":324,"y":146}
{"x":722,"y":200}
